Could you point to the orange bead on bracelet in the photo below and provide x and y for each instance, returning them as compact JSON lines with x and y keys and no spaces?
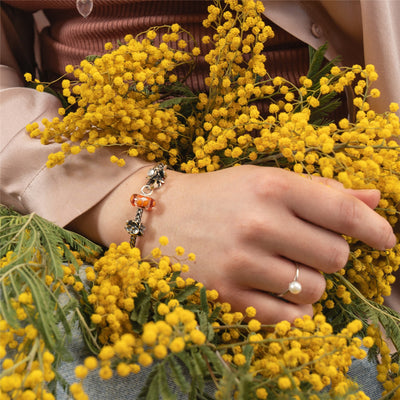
{"x":143,"y":201}
{"x":146,"y":202}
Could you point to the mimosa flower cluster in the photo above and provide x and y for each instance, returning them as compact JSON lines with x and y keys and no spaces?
{"x":116,"y":101}
{"x":28,"y":365}
{"x":146,"y":314}
{"x":143,"y":313}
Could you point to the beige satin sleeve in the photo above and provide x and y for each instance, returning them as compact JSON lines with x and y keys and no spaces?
{"x":59,"y":194}
{"x":374,"y":24}
{"x":381,"y":38}
{"x":362,"y":32}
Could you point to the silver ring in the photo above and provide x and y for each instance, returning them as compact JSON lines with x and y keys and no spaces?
{"x":294,"y":286}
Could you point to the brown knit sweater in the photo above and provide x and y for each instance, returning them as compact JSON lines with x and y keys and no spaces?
{"x":70,"y":37}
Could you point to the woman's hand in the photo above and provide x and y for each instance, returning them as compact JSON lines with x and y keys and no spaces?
{"x":248,"y":226}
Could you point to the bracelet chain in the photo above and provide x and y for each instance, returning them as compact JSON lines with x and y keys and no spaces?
{"x":155,"y":178}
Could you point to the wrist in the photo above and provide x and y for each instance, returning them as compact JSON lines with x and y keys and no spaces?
{"x":104,"y":223}
{"x":143,"y":202}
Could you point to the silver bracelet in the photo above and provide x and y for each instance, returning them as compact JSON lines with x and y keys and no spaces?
{"x":143,"y":201}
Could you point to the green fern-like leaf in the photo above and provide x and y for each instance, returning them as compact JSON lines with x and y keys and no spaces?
{"x":320,"y":67}
{"x":177,"y":375}
{"x":34,"y":248}
{"x":150,"y":389}
{"x":165,"y":390}
{"x":370,"y":312}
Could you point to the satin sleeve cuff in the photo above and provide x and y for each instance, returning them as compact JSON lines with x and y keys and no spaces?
{"x":64,"y":192}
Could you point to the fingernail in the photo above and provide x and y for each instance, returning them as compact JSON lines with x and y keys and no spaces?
{"x":370,"y":190}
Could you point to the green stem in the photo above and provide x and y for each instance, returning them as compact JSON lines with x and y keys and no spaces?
{"x":88,"y":330}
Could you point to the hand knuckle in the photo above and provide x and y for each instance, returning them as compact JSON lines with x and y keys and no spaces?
{"x":236,"y":260}
{"x":386,"y":234}
{"x":253,"y":225}
{"x":317,"y":288}
{"x":270,"y":185}
{"x":349,"y":214}
{"x":338,"y":256}
{"x":292,"y":315}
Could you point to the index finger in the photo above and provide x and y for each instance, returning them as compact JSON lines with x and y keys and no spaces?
{"x":340,"y":212}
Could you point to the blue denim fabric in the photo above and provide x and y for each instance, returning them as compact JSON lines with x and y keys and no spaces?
{"x":117,"y":388}
{"x":364,"y":373}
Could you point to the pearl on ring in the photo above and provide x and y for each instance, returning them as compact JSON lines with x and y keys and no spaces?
{"x":294,"y":286}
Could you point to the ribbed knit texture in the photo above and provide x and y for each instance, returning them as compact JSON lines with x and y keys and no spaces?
{"x":72,"y":37}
